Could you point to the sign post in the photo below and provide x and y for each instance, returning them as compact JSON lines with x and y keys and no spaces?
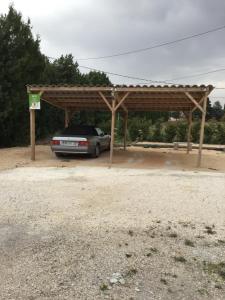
{"x":34,"y":103}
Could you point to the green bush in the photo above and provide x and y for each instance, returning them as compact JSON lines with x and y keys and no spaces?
{"x":170,"y":130}
{"x":136,"y":125}
{"x":182,"y":131}
{"x":175,"y":131}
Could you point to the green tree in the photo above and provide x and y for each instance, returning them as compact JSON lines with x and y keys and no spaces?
{"x":217,"y":110}
{"x":63,"y":71}
{"x":96,"y":78}
{"x":21,"y":63}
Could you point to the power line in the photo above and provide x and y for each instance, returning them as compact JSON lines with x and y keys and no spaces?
{"x":196,"y":75}
{"x":149,"y":80}
{"x":145,"y":79}
{"x":124,"y":76}
{"x":154,"y":46}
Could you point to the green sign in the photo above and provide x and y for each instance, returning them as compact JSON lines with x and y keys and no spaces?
{"x":34,"y":101}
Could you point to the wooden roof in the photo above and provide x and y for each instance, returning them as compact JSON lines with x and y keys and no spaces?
{"x":138,"y":98}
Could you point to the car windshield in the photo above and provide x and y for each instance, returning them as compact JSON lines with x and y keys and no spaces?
{"x":79,"y":130}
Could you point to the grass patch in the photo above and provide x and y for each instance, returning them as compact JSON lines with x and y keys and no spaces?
{"x":209,"y":229}
{"x":173,"y":235}
{"x":131,"y":233}
{"x":180,"y":259}
{"x":131,"y":272}
{"x":189,"y":243}
{"x":221,"y":242}
{"x":170,"y":274}
{"x":154,"y":250}
{"x":151,"y":251}
{"x":200,"y":236}
{"x":202,"y":291}
{"x":128,"y":255}
{"x":218,"y":269}
{"x":164,"y":281}
{"x":104,"y":287}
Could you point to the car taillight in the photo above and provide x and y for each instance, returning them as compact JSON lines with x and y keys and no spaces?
{"x":55,"y":142}
{"x":83,"y":143}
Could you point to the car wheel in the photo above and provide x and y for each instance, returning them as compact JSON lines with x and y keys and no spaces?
{"x":58,"y":154}
{"x":96,"y":152}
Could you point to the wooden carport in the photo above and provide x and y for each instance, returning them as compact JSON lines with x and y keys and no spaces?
{"x":123,"y":98}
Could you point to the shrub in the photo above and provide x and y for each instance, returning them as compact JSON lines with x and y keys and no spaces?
{"x":170,"y":131}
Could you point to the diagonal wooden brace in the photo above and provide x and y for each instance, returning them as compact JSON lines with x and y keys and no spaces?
{"x":106,"y":101}
{"x":194,"y":101}
{"x":121,"y":100}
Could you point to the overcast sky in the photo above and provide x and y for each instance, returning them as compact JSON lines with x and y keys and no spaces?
{"x":90,"y":28}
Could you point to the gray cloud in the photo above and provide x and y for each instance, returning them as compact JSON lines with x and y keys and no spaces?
{"x":88,"y":28}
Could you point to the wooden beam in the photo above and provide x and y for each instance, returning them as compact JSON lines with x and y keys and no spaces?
{"x":201,"y":140}
{"x":67,"y":117}
{"x":32,"y":133}
{"x":112,"y":131}
{"x":194,"y":101}
{"x":125,"y":118}
{"x":49,"y":88}
{"x":105,"y":100}
{"x":133,"y":96}
{"x":189,"y":132}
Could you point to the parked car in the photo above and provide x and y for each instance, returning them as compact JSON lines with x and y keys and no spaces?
{"x":80,"y":140}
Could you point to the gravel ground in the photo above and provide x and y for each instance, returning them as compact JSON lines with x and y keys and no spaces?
{"x":98,"y":233}
{"x":134,"y":157}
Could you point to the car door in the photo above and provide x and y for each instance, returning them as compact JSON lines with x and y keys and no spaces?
{"x":102,"y":139}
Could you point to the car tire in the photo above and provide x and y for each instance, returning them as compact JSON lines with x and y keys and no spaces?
{"x":96,"y":152}
{"x":58,"y":154}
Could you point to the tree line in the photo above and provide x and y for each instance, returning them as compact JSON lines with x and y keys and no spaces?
{"x":22,"y":63}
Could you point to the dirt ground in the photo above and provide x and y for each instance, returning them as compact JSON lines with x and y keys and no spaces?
{"x":75,"y":229}
{"x":134,"y":157}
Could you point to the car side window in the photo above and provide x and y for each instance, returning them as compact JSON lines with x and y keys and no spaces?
{"x":99,"y":132}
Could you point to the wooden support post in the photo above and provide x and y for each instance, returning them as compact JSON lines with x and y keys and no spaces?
{"x":32,"y":133}
{"x":66,"y":117}
{"x":125,"y":131}
{"x":112,"y":130}
{"x":202,"y":133}
{"x":189,"y":132}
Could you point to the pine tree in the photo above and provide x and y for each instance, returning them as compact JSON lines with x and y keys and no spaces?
{"x":21,"y":63}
